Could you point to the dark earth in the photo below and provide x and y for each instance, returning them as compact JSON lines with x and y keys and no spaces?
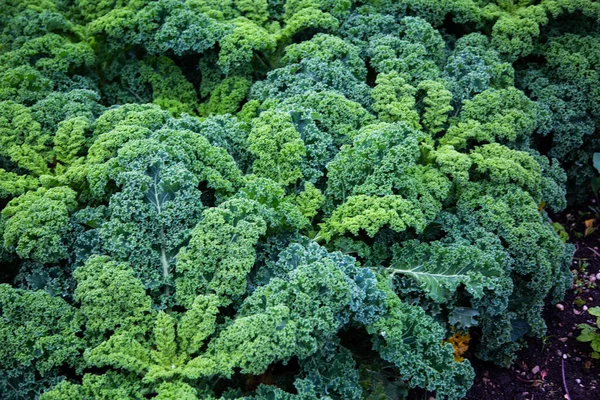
{"x":538,"y":371}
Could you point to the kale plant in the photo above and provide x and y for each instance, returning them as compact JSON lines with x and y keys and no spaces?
{"x":284,"y":199}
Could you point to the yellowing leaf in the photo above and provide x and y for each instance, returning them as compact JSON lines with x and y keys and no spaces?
{"x":541,"y":206}
{"x":460,"y":342}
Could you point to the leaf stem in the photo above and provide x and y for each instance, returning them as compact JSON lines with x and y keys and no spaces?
{"x":164,"y":261}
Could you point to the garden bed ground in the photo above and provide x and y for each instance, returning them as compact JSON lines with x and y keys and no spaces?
{"x":538,"y":372}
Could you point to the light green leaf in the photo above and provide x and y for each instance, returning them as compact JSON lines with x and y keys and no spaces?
{"x":596,"y":343}
{"x":587,"y":333}
{"x":595,"y":311}
{"x":164,"y":334}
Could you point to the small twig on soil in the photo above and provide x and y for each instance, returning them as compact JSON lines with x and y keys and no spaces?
{"x":564,"y":380}
{"x":593,"y":251}
{"x":534,"y":382}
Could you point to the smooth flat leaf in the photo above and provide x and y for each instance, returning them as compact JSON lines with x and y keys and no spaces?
{"x":596,"y":343}
{"x":597,"y":161}
{"x":587,"y":334}
{"x":595,"y":311}
{"x":463,"y":316}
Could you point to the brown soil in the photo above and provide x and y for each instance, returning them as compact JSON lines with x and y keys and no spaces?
{"x":537,"y":373}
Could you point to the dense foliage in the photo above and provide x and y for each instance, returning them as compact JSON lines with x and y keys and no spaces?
{"x":284,"y":199}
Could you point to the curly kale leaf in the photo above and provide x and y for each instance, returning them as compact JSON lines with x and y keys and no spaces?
{"x":38,"y":335}
{"x":412,"y":341}
{"x":220,"y":253}
{"x":35,"y":224}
